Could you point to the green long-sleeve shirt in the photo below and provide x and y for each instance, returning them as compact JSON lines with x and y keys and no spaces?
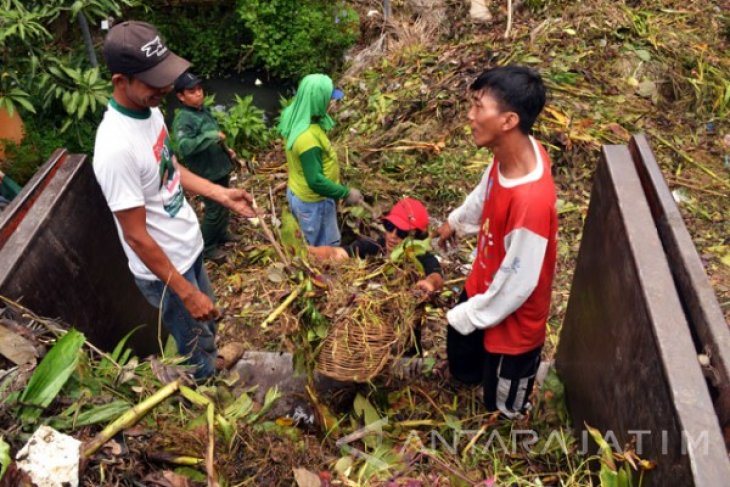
{"x":198,"y":143}
{"x":314,"y":173}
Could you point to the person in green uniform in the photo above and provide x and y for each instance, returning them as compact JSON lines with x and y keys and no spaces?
{"x":314,"y":183}
{"x":200,"y":146}
{"x":9,"y":189}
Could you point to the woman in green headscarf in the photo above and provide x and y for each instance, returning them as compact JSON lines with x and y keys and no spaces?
{"x":314,"y":174}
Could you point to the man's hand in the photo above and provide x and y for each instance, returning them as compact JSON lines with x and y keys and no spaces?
{"x":200,"y":306}
{"x":221,"y":136}
{"x":354,"y":197}
{"x":430,"y":285}
{"x":328,"y":253}
{"x":425,"y":286}
{"x":238,"y":200}
{"x":446,"y":235}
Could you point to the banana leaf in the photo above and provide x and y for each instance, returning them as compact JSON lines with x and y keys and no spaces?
{"x":50,"y":376}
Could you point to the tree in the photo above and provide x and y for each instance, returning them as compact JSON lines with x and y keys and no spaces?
{"x":37,"y":71}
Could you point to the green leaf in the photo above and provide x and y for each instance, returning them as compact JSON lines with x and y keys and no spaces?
{"x":83,"y":105}
{"x":238,"y":408}
{"x":8,"y":105}
{"x":643,"y":54}
{"x":269,"y":399}
{"x":365,"y":410}
{"x":51,"y":374}
{"x":76,"y":8}
{"x":606,"y":451}
{"x":25,"y":104}
{"x":95,"y":415}
{"x":4,"y":457}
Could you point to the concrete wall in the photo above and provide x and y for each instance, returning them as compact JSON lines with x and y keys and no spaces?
{"x":626,"y":354}
{"x":60,"y":256}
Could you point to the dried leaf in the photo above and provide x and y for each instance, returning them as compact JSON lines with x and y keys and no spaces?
{"x":305,"y":478}
{"x":16,"y":348}
{"x":167,"y":478}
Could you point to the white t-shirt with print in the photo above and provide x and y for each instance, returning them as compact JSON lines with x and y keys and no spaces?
{"x":130,"y":147}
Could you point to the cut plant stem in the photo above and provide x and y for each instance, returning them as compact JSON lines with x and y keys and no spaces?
{"x":280,"y":309}
{"x":687,"y":158}
{"x":130,"y":418}
{"x":270,"y":237}
{"x":162,"y":456}
{"x":210,"y":454}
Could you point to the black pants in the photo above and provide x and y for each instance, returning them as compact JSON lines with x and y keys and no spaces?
{"x":215,"y":220}
{"x":507,"y":380}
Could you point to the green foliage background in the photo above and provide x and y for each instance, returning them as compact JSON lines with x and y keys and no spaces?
{"x":293,"y":38}
{"x":210,"y":36}
{"x":46,"y":76}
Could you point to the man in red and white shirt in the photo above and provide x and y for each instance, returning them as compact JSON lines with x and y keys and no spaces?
{"x":497,"y":330}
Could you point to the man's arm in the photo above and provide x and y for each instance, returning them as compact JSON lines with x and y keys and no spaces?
{"x":513,"y":283}
{"x":430,"y":284}
{"x":464,"y":220}
{"x":134,"y":228}
{"x":235,"y":199}
{"x":316,"y":180}
{"x":327,"y":252}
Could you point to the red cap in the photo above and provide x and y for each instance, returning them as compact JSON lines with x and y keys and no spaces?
{"x":409,"y":214}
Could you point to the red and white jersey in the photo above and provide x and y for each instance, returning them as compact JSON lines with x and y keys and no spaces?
{"x":510,"y":283}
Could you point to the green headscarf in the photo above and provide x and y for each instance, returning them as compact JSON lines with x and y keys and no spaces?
{"x":313,"y":97}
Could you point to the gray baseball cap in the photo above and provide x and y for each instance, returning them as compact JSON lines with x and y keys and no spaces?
{"x":136,"y":48}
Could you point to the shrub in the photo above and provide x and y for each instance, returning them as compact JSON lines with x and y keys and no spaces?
{"x":206,"y":35}
{"x":244,"y":126}
{"x":292,"y":38}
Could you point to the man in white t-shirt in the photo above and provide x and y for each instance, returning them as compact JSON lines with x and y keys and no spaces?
{"x":143,"y":185}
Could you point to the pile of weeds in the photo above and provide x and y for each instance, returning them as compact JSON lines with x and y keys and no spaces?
{"x":612,"y":69}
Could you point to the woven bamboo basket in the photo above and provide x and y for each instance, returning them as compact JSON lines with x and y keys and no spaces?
{"x":368,"y":333}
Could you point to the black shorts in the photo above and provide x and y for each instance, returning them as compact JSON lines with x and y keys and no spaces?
{"x":507,"y":380}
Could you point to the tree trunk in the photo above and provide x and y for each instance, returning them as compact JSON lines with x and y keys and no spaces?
{"x":87,"y":39}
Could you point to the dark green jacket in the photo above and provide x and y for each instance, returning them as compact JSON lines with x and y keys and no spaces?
{"x":9,"y":189}
{"x":196,"y":136}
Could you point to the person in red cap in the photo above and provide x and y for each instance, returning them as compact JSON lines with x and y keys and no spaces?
{"x":143,"y":186}
{"x":409,"y":217}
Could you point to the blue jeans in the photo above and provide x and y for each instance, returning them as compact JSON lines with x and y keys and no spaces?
{"x":318,"y":221}
{"x":194,"y":338}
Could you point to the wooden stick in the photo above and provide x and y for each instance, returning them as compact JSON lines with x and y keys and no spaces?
{"x":270,"y":237}
{"x":509,"y":19}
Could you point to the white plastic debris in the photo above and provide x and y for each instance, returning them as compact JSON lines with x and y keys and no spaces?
{"x":703,"y":359}
{"x":258,"y":82}
{"x":50,"y":458}
{"x":480,"y":10}
{"x":679,"y":196}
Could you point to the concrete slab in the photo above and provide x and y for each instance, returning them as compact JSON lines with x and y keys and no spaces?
{"x":626,"y":354}
{"x":710,"y":332}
